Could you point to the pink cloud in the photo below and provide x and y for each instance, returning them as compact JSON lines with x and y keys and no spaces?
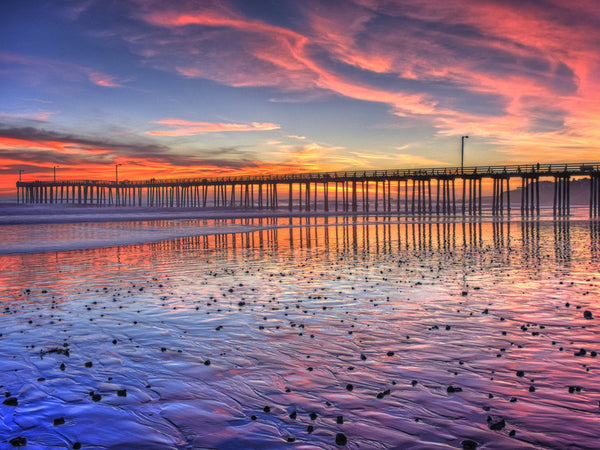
{"x":275,"y":56}
{"x":528,"y":58}
{"x":187,"y":128}
{"x":102,"y":79}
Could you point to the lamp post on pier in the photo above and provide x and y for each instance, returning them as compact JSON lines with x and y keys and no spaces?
{"x":117,"y":173}
{"x":117,"y":196}
{"x":462,"y":153}
{"x":20,"y":172}
{"x":54,"y":169}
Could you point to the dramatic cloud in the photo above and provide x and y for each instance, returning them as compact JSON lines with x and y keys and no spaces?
{"x":34,"y":147}
{"x":454,"y":62}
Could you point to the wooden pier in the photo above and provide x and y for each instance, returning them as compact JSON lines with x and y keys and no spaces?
{"x":435,"y":191}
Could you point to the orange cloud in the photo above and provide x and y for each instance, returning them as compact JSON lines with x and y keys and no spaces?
{"x":187,"y":128}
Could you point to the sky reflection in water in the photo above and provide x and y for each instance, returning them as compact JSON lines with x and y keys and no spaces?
{"x":218,"y":339}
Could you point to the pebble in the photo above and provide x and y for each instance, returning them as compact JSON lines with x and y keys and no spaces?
{"x":340,"y":439}
{"x":468,"y":444}
{"x":497,"y":426}
{"x":18,"y":442}
{"x":11,"y":401}
{"x":59,"y":421}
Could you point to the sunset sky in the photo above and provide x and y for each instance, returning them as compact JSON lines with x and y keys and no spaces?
{"x":201,"y":88}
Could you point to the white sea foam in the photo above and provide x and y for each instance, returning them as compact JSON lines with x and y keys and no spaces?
{"x":50,"y":228}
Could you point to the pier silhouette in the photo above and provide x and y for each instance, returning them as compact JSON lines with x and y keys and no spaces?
{"x":433,"y":191}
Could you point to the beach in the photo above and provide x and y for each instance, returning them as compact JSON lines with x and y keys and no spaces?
{"x":304,"y":332}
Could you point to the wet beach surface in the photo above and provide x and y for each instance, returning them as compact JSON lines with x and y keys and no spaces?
{"x":366,"y":335}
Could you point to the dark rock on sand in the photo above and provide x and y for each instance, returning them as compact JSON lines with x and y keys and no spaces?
{"x":59,"y":421}
{"x":497,"y":426}
{"x":453,"y":389}
{"x":520,"y":373}
{"x":122,"y":392}
{"x":340,"y":420}
{"x":11,"y":401}
{"x":340,"y":439}
{"x":468,"y":444}
{"x":18,"y":442}
{"x":588,"y":315}
{"x":349,"y":387}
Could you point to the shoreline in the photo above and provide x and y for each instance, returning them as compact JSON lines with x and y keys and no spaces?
{"x":14,"y":214}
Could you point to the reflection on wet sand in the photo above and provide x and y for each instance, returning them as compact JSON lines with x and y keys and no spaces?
{"x":349,"y":235}
{"x":390,"y":333}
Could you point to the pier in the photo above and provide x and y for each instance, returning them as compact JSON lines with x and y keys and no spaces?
{"x":433,"y":191}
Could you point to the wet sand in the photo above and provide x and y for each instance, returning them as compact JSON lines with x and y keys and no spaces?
{"x":390,"y":335}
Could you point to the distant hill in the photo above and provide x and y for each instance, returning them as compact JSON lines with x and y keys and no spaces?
{"x":580,"y":193}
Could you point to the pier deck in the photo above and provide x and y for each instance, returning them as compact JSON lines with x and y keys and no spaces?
{"x":436,"y":191}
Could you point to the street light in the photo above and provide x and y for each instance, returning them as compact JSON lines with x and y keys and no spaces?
{"x":54,"y":168}
{"x":20,"y":172}
{"x":462,"y":152}
{"x":117,"y":173}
